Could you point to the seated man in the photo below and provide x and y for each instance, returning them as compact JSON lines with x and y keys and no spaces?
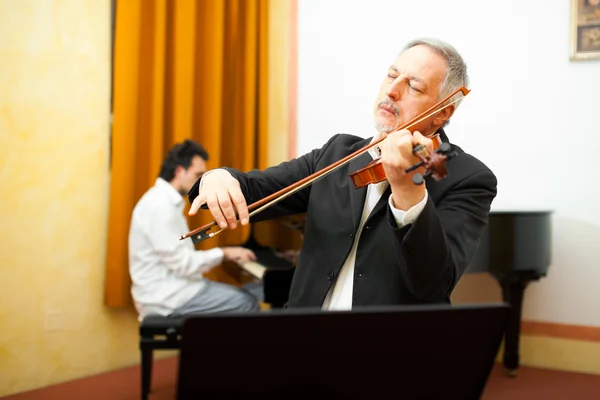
{"x":167,"y":274}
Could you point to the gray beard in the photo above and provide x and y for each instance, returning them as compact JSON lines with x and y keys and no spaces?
{"x":381,"y":128}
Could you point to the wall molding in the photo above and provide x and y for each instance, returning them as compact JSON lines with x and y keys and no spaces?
{"x":561,"y":331}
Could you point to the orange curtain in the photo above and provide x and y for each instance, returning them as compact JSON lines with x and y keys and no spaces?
{"x":183,"y":69}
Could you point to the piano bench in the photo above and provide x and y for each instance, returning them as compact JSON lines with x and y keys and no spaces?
{"x":157,"y":333}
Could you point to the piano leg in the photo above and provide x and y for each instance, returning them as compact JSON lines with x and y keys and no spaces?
{"x":513,"y":288}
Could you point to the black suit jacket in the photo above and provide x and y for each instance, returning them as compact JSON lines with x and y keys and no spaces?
{"x":416,"y":264}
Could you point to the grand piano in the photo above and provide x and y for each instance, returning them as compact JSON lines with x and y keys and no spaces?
{"x":515,"y":249}
{"x":273,"y":270}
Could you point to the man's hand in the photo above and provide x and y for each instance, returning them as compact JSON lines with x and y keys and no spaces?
{"x":396,"y":156}
{"x":223,"y":196}
{"x":238,"y":254}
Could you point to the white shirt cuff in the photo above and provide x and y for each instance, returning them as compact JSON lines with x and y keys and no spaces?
{"x":407,"y":217}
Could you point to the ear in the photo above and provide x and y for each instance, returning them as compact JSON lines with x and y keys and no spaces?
{"x":444,"y":115}
{"x":178,"y":171}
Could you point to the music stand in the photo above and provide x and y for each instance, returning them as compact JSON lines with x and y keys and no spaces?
{"x":409,"y":352}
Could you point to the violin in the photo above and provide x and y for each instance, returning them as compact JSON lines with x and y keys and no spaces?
{"x":433,"y":163}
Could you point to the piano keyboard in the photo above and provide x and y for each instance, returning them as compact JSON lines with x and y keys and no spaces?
{"x":255,"y":269}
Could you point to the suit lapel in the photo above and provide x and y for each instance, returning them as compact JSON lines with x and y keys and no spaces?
{"x":357,"y":196}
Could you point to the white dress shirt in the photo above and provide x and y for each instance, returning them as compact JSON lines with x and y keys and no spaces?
{"x":339,"y":296}
{"x":166,"y":272}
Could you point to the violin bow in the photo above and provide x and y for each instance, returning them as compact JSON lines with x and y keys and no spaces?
{"x":202,"y":233}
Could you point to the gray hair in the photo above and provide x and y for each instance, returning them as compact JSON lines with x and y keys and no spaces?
{"x":456,"y":69}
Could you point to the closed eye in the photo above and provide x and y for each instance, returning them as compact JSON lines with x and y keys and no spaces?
{"x":414,"y":88}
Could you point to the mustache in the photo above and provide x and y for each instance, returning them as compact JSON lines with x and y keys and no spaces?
{"x":386,"y":101}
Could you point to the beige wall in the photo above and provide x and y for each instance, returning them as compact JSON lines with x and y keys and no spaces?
{"x":54,"y":142}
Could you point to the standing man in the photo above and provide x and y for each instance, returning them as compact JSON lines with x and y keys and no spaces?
{"x":389,"y":243}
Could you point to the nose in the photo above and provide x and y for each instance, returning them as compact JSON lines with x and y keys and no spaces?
{"x":393,"y":91}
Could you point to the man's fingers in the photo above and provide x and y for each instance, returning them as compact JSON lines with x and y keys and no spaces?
{"x":223,"y":197}
{"x":240,"y":205}
{"x":241,"y":254}
{"x":227,"y":208}
{"x":196,"y":204}
{"x":418,"y":138}
{"x":249,"y":255}
{"x":213,"y":205}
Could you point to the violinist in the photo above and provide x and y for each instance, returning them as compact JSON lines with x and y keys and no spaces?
{"x":389,"y":243}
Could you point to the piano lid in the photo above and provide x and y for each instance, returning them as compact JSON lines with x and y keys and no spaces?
{"x":515,"y":241}
{"x":520,"y":212}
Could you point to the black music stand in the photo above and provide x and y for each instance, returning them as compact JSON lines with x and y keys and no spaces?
{"x":416,"y":352}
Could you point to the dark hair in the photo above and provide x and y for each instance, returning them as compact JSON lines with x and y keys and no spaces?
{"x":181,"y":155}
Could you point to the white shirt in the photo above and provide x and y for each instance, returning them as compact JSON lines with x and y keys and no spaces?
{"x":166,"y":272}
{"x":339,"y":296}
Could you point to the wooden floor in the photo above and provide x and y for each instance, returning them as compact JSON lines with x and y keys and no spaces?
{"x":531,"y":384}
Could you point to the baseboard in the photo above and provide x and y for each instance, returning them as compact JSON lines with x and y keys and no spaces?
{"x":561,"y":331}
{"x":571,"y":348}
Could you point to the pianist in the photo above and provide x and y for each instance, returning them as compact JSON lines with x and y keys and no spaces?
{"x":390,"y":243}
{"x":167,"y":274}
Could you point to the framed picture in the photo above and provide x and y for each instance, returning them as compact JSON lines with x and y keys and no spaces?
{"x":585,"y":30}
